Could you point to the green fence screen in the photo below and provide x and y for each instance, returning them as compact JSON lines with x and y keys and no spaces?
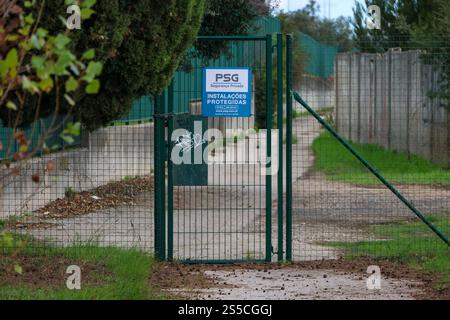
{"x":320,"y":57}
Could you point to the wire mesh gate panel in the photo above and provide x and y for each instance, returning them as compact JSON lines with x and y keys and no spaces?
{"x":220,"y":211}
{"x":392,"y":106}
{"x":117,"y":187}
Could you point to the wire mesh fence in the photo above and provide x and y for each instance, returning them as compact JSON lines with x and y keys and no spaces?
{"x":391,"y":104}
{"x":102,"y":192}
{"x":97,"y":193}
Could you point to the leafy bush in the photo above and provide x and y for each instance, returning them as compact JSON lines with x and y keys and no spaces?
{"x":39,"y":72}
{"x":159,"y":33}
{"x":140,"y":43}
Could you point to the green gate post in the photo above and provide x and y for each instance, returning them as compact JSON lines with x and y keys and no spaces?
{"x":280,"y":143}
{"x":159,"y":176}
{"x":289,"y":147}
{"x":269,"y":96}
{"x":170,"y":176}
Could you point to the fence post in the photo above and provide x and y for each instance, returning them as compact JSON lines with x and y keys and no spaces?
{"x":408,"y":104}
{"x":170,"y":175}
{"x":358,"y":128}
{"x":336,"y":93}
{"x":280,"y":143}
{"x":289,"y":147}
{"x":389,"y":134}
{"x":159,"y":177}
{"x":375,"y":100}
{"x":350,"y":100}
{"x":269,"y":116}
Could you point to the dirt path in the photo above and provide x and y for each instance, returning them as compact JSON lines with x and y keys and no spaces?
{"x":342,"y":280}
{"x":294,"y":284}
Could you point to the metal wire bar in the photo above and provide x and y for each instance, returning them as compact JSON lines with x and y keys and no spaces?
{"x":288,"y":148}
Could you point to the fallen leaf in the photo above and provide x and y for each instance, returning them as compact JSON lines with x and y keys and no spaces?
{"x":18,"y":269}
{"x":15,"y":171}
{"x":50,"y":166}
{"x":36,"y":178}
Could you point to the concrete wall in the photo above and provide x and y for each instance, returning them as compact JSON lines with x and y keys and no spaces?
{"x":384,"y":99}
{"x":319,"y":92}
{"x":110,"y":154}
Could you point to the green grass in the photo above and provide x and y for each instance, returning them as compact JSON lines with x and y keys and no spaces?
{"x":410,"y":243}
{"x":126,"y":277}
{"x":299,"y":114}
{"x":340,"y":165}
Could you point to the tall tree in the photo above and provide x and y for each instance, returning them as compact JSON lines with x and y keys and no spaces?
{"x":433,"y":34}
{"x":399,"y":19}
{"x":410,"y":24}
{"x":227,"y":18}
{"x":335,"y":32}
{"x":140,"y":44}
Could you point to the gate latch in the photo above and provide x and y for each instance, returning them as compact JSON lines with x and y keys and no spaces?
{"x":170,"y":115}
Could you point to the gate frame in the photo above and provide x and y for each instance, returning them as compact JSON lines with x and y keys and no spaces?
{"x":289,"y":113}
{"x":163,"y":233}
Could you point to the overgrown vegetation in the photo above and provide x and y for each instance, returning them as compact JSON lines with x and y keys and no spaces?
{"x":39,"y":72}
{"x":339,"y":165}
{"x":107,"y":273}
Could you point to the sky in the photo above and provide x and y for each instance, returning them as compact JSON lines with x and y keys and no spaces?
{"x":328,"y":8}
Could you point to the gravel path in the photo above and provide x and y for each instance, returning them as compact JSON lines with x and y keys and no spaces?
{"x":294,"y":284}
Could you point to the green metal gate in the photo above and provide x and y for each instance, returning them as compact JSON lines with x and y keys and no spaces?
{"x":220,"y":212}
{"x":347,"y":192}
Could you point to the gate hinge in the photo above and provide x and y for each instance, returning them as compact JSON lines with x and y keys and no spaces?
{"x":276,"y":252}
